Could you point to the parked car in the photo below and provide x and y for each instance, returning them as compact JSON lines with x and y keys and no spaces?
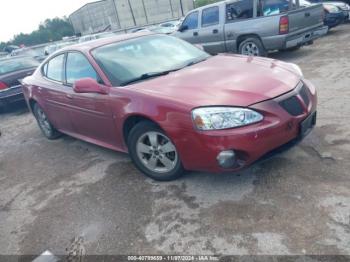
{"x":233,"y":26}
{"x":334,"y":16}
{"x":95,"y":36}
{"x":10,"y":48}
{"x":344,"y":7}
{"x":50,"y":49}
{"x":36,"y":53}
{"x":12,"y":71}
{"x":172,"y":111}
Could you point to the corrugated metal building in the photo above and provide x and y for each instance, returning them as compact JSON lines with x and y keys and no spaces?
{"x":122,"y":14}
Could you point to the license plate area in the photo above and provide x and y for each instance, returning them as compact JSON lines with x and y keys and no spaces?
{"x":308,"y":124}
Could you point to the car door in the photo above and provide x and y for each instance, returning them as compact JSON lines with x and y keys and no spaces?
{"x":91,"y":113}
{"x":54,"y":93}
{"x":189,"y":30}
{"x":211,"y":34}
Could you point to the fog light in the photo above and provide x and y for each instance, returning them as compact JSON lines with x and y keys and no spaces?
{"x":227,"y":159}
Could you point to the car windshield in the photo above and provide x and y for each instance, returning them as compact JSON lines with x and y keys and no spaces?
{"x":127,"y":61}
{"x":16,"y":64}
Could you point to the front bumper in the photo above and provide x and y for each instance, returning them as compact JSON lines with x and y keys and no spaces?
{"x":11,"y":95}
{"x":199,"y":150}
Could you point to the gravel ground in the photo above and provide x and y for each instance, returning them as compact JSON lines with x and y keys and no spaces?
{"x":66,"y":194}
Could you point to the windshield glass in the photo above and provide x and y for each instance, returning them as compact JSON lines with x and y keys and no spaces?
{"x":16,"y":64}
{"x":125,"y":61}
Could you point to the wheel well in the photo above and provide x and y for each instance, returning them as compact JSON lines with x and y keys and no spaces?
{"x":131,"y":122}
{"x":241,"y":38}
{"x":32,"y":102}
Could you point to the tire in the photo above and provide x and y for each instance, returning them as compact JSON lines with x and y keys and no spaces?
{"x":45,"y":126}
{"x":252,"y":47}
{"x":154,"y":161}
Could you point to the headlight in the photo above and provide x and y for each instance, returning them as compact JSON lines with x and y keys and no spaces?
{"x":217,"y":118}
{"x":297,"y":68}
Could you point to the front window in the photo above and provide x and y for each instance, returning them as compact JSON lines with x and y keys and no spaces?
{"x":78,"y":67}
{"x":240,"y":10}
{"x":191,"y":21}
{"x":123,"y":62}
{"x":17,"y":64}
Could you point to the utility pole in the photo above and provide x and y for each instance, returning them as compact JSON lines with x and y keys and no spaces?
{"x":132,"y":12}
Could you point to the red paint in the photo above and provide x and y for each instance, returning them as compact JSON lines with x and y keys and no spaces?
{"x":168,"y":100}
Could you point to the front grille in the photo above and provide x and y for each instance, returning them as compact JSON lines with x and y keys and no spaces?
{"x":292,"y":106}
{"x":304,"y":95}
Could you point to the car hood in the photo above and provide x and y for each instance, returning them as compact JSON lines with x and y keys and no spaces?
{"x":225,"y":80}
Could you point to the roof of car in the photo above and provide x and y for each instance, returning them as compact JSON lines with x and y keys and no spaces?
{"x":86,"y":46}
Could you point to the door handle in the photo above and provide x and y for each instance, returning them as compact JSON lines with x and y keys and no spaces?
{"x":307,"y":14}
{"x":69,"y":96}
{"x":215,"y":31}
{"x":195,"y":33}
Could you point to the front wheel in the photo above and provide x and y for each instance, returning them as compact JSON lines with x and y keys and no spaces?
{"x":153,"y":153}
{"x":46,"y":127}
{"x":252,"y":47}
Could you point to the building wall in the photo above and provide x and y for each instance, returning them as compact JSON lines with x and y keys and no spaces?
{"x":122,"y":14}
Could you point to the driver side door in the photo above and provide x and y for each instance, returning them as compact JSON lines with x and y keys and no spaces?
{"x":91,"y":114}
{"x":191,"y":33}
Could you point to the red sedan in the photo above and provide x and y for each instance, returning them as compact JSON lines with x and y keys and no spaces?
{"x":169,"y":104}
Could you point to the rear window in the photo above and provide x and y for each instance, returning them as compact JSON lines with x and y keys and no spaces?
{"x":17,"y":64}
{"x":273,"y":7}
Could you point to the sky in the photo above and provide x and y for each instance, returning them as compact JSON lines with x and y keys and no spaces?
{"x":24,"y":16}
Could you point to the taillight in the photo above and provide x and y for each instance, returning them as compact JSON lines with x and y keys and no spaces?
{"x":284,"y":25}
{"x":3,"y":86}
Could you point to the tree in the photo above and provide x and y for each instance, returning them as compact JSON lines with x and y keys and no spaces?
{"x":199,"y":3}
{"x":50,"y":30}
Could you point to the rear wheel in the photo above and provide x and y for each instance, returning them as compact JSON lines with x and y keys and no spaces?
{"x":46,"y":127}
{"x":252,"y":47}
{"x":153,"y":153}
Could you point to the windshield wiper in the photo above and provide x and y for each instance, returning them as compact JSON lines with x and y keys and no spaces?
{"x":146,"y":76}
{"x":155,"y":74}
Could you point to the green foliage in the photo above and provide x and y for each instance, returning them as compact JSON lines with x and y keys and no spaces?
{"x":199,"y":3}
{"x":50,"y":30}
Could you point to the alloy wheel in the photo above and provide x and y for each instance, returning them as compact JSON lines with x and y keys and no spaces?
{"x":250,"y":49}
{"x":44,"y":122}
{"x":156,"y":152}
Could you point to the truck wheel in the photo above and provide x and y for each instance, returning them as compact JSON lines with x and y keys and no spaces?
{"x":46,"y":127}
{"x":153,"y":153}
{"x":252,"y":47}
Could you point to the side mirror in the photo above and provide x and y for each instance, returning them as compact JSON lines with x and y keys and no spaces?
{"x":88,"y":85}
{"x":183,"y":28}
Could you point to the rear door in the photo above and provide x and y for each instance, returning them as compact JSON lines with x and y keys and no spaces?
{"x":54,"y":94}
{"x":211,"y":34}
{"x":91,"y":113}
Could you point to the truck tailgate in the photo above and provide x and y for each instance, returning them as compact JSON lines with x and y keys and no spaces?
{"x":305,"y":18}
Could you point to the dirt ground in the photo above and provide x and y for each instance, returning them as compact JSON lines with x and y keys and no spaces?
{"x":55,"y":195}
